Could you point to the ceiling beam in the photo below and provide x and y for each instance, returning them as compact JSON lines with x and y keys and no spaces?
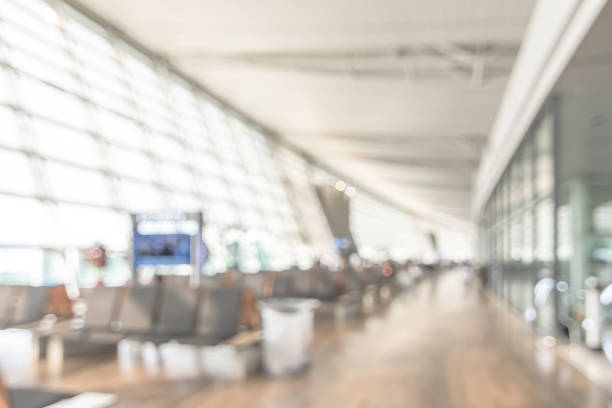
{"x":478,"y":72}
{"x":459,"y":52}
{"x":434,"y":184}
{"x":465,"y":61}
{"x":372,"y":137}
{"x":447,"y":151}
{"x":445,"y":163}
{"x":386,"y":166}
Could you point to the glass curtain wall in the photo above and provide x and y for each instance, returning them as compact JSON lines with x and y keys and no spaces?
{"x":92,"y":129}
{"x":383,"y":232}
{"x":584,"y":214}
{"x":567,"y":204}
{"x":517,"y":227}
{"x":298,"y":177}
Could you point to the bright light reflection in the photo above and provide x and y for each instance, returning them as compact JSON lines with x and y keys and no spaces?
{"x":542,"y":290}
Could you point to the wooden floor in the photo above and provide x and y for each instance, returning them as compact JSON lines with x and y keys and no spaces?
{"x":439,"y":345}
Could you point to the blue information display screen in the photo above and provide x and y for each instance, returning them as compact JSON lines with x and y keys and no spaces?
{"x":162,"y":249}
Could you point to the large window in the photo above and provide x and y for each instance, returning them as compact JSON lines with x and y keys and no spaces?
{"x":519,"y":224}
{"x":91,"y":130}
{"x":381,"y":231}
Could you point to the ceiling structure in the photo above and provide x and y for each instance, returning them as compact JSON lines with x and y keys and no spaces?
{"x":397,"y":95}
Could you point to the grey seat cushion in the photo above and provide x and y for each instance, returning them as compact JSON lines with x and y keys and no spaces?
{"x":302,"y":284}
{"x":101,"y":307}
{"x":219,"y":313}
{"x":30,"y":306}
{"x":177,"y":311}
{"x":210,"y":282}
{"x":136,"y":312}
{"x":283,"y":285}
{"x":325,"y":286}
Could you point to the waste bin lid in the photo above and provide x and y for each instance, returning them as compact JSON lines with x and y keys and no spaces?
{"x":289,"y":305}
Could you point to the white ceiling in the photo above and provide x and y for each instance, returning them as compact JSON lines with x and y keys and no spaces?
{"x":398,"y":95}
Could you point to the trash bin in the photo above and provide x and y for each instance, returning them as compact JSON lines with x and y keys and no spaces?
{"x":287,"y":334}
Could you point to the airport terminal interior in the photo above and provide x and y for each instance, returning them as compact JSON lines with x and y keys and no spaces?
{"x":333,"y":203}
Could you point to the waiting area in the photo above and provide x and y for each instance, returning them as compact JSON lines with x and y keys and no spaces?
{"x":446,"y":343}
{"x":211,"y":333}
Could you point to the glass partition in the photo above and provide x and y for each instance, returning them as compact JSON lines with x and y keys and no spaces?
{"x":518,"y":225}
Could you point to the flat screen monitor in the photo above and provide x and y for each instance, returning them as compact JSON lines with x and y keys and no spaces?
{"x":162,"y":249}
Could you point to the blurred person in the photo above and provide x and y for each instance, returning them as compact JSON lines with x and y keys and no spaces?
{"x":482,"y":272}
{"x":98,"y":258}
{"x":483,"y":276}
{"x":159,"y":280}
{"x":387,"y":270}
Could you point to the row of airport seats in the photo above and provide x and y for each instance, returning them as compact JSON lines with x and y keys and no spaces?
{"x":212,"y":314}
{"x":25,"y":307}
{"x":343,"y":293}
{"x":167,"y":311}
{"x":22,"y":304}
{"x":205,"y":316}
{"x":152,"y":313}
{"x":321,"y":284}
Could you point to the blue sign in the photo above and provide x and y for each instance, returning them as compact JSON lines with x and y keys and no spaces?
{"x":162,"y":249}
